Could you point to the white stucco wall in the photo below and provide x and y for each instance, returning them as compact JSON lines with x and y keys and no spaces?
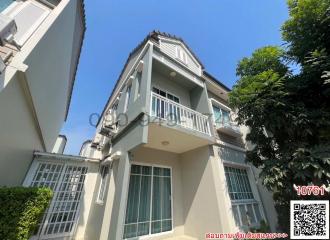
{"x":18,"y":134}
{"x":33,"y":106}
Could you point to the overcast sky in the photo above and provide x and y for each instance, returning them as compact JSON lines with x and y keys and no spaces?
{"x":220,"y":32}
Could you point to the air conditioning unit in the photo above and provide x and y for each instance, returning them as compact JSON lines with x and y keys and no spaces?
{"x":97,"y":141}
{"x":109,"y":124}
{"x":8,"y":29}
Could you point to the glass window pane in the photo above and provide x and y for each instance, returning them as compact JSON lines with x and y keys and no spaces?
{"x":166,"y":172}
{"x":257,"y":211}
{"x":156,"y":227}
{"x":166,"y":199}
{"x":225,"y":116}
{"x":143,"y":229}
{"x":136,"y":169}
{"x":250,"y":213}
{"x":166,"y":225}
{"x":238,"y":183}
{"x":158,"y":171}
{"x":156,"y":198}
{"x":132,"y":202}
{"x":130,"y":230}
{"x":236,"y":216}
{"x":148,"y":192}
{"x":144,"y":208}
{"x":217,"y":114}
{"x":146,"y":170}
{"x":243,"y":215}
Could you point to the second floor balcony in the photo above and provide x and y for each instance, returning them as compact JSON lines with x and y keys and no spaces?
{"x":177,"y":114}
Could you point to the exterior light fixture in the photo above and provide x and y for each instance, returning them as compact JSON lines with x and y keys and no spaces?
{"x":172,"y":74}
{"x":165,"y":143}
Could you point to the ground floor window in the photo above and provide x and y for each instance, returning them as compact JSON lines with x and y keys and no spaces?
{"x":246,"y":209}
{"x":67,"y":183}
{"x":149,"y":203}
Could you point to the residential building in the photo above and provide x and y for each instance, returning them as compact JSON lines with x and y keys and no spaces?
{"x":167,"y":160}
{"x":40,"y":44}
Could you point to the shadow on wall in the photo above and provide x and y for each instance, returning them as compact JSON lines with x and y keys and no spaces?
{"x":201,"y":210}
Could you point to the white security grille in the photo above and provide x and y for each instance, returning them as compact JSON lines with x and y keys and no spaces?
{"x":67,"y":182}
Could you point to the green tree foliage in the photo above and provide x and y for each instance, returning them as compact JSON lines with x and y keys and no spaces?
{"x":21,"y":209}
{"x":289,"y":114}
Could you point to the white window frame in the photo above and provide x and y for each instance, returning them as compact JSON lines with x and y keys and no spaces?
{"x":220,"y":105}
{"x":166,"y":92}
{"x":14,"y":9}
{"x":151,"y":235}
{"x":104,"y":182}
{"x":245,"y":202}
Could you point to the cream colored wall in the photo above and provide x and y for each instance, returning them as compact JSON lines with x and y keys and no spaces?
{"x":202,"y":194}
{"x":88,"y":203}
{"x":18,"y":134}
{"x":113,"y":215}
{"x":265,"y":195}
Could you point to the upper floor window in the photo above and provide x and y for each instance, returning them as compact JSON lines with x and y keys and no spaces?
{"x":181,"y":55}
{"x":166,"y":95}
{"x":246,"y":209}
{"x":104,"y":172}
{"x":28,"y":16}
{"x":128,"y":96}
{"x":221,"y":116}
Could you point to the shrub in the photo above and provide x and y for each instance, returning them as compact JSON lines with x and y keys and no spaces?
{"x":21,"y":209}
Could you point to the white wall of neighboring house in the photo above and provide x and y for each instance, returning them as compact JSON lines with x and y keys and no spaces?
{"x":35,"y":89}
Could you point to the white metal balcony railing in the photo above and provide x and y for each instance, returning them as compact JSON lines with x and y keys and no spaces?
{"x":176,"y":113}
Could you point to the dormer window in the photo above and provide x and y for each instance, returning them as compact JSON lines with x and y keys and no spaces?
{"x":181,"y":55}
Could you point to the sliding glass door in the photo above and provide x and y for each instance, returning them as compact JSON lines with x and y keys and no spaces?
{"x":149,"y":203}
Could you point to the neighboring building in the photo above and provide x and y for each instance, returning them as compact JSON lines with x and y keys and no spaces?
{"x":167,"y":161}
{"x":40,"y":44}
